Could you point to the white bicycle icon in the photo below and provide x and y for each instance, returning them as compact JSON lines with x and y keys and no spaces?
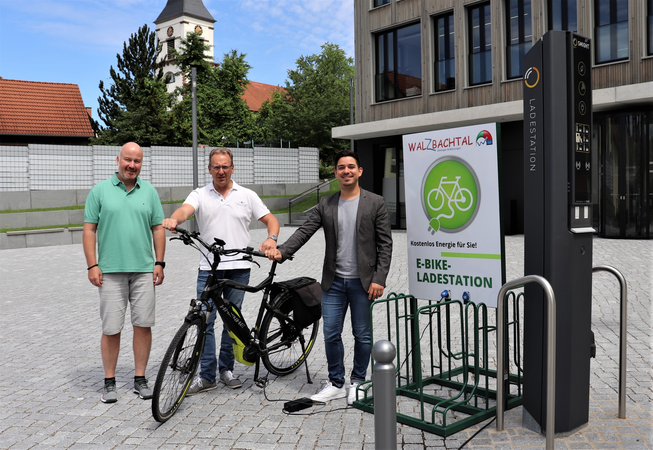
{"x":461,"y":198}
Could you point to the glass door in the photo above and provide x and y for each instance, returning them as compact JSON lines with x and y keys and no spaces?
{"x":626,"y":194}
{"x":393,"y":186}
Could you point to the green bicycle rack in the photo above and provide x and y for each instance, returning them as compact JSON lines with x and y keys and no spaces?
{"x":445,"y":351}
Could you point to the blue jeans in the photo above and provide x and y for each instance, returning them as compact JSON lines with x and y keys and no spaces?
{"x":226,"y":359}
{"x":343,"y":293}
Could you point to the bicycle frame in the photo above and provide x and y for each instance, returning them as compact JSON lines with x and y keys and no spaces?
{"x":231,"y":314}
{"x":246,"y":342}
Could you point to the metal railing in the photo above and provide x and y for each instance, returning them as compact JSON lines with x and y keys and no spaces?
{"x":502,"y":372}
{"x":623,"y":333}
{"x":310,"y":191}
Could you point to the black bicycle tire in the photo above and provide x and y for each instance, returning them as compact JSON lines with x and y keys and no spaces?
{"x":170,"y":387}
{"x":289,"y":337}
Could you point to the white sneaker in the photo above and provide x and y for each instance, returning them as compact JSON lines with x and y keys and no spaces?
{"x":228,"y":378}
{"x":351,"y":397}
{"x":329,"y":392}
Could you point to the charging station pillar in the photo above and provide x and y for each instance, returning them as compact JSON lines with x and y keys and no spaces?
{"x":558,"y":226}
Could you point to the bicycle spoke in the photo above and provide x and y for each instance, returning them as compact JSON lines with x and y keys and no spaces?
{"x":176,"y":371}
{"x":285,"y":348}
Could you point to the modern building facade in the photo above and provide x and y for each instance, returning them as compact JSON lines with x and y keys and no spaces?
{"x":425,"y":65}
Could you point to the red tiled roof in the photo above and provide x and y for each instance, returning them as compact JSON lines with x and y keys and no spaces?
{"x":42,"y":109}
{"x":256,"y":93}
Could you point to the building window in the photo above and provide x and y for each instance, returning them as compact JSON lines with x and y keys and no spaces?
{"x":445,"y":56}
{"x":649,"y":11}
{"x":398,"y":71}
{"x":169,"y":77}
{"x":519,"y":35}
{"x":611,"y":30}
{"x":563,"y":15}
{"x":171,"y":47}
{"x":380,"y":2}
{"x":480,"y":44}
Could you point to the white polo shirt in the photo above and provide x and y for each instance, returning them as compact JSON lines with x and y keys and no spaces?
{"x":227,"y":219}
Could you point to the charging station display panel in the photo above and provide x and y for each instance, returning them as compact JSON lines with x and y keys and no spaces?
{"x":453,"y":219}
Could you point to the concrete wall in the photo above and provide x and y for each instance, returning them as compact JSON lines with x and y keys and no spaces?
{"x":64,"y":236}
{"x":37,"y":219}
{"x":77,"y":197}
{"x":17,"y":200}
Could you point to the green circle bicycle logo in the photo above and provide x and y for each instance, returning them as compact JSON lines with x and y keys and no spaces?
{"x":450,"y":195}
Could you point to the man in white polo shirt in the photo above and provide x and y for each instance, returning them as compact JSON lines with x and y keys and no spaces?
{"x":223,"y":209}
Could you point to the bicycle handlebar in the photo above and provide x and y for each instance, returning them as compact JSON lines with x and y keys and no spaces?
{"x":217,"y":247}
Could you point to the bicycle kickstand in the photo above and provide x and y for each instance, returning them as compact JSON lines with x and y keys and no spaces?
{"x":308,"y":375}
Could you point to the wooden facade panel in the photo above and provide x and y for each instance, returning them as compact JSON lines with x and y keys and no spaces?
{"x":478,"y":96}
{"x":444,"y":101}
{"x":380,"y":17}
{"x":611,"y":75}
{"x":646,"y":70}
{"x":363,"y":60}
{"x":407,"y":10}
{"x":512,"y":90}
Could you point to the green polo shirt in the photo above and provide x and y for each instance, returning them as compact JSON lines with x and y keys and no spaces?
{"x":124,"y":224}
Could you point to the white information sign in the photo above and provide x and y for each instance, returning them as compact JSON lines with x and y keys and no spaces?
{"x":452,"y":214}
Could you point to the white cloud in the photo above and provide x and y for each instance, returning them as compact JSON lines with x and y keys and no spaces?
{"x":307,"y":23}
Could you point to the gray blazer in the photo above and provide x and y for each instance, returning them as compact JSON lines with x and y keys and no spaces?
{"x":374,"y":238}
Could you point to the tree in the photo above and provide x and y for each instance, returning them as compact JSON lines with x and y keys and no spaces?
{"x":222,"y":115}
{"x":134,"y":107}
{"x":316,"y":99}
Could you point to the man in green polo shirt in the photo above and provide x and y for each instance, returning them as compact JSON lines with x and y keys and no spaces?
{"x":124,"y":214}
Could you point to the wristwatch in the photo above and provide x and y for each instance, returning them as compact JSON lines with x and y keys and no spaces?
{"x":160,"y":263}
{"x":273,"y":237}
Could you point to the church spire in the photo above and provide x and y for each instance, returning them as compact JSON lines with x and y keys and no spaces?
{"x":178,"y":8}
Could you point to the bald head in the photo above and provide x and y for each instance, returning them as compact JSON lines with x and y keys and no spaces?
{"x":129,"y":162}
{"x":131,"y":147}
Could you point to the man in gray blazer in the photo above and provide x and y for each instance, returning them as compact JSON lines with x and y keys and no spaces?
{"x":356,"y":264}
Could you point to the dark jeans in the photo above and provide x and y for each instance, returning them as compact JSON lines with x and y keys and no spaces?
{"x":344,"y":293}
{"x":226,"y":359}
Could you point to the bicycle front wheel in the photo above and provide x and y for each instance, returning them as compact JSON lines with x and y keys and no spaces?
{"x":283,"y":347}
{"x":177,"y":369}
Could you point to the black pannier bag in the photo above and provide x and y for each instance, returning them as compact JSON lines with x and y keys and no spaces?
{"x":306,"y":299}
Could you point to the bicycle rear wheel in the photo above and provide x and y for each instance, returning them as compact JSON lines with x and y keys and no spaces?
{"x":177,"y":369}
{"x":284,"y":347}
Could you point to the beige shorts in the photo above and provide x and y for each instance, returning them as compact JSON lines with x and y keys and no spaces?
{"x":117,"y":290}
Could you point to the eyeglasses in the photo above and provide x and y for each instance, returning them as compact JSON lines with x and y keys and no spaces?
{"x":224,"y":168}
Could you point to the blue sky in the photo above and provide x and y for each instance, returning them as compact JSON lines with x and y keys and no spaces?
{"x":76,"y":41}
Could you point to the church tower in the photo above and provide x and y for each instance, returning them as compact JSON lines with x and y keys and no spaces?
{"x":178,"y":18}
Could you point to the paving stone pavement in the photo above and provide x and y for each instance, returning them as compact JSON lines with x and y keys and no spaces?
{"x":51,"y":372}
